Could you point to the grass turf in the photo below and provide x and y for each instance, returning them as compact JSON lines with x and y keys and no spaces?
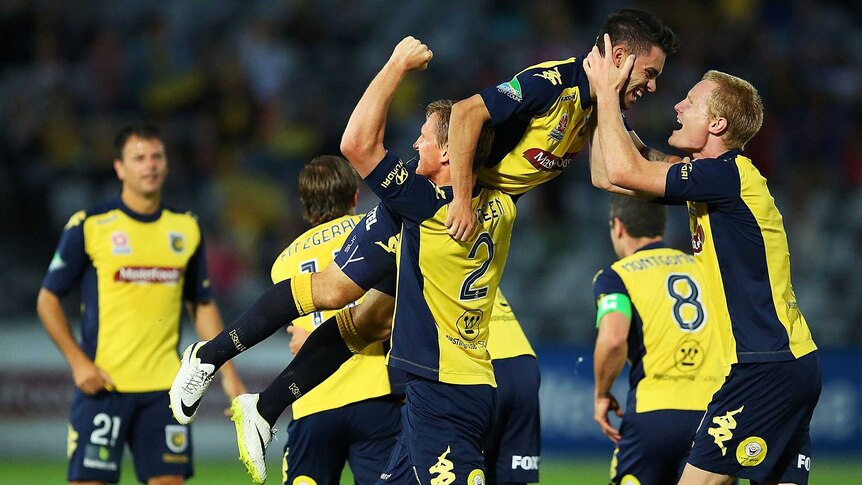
{"x":555,"y":471}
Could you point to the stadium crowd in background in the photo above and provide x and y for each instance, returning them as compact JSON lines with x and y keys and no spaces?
{"x":243,"y":93}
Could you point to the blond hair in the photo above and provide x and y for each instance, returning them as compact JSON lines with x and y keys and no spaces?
{"x":443,"y":109}
{"x":737,"y":101}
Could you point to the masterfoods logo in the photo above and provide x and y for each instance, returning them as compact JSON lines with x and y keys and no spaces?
{"x":547,"y":161}
{"x":145,"y":274}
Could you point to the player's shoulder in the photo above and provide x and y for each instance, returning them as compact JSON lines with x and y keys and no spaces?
{"x":605,"y":274}
{"x":97,"y":211}
{"x":563,"y":68}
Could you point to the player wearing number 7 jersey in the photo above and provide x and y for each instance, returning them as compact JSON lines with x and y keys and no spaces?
{"x":651,"y":310}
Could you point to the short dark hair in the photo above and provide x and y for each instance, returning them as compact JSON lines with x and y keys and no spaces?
{"x":443,"y":108}
{"x":641,"y":218}
{"x":638,"y":30}
{"x":327,"y":188}
{"x":144,"y":131}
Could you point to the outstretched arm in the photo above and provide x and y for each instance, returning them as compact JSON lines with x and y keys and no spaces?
{"x":625,"y":167}
{"x":465,"y":126}
{"x":362,"y":142}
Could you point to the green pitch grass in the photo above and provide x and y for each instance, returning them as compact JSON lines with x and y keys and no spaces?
{"x":555,"y":471}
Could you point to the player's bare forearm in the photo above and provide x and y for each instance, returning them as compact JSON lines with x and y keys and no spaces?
{"x":609,"y":359}
{"x":625,"y":166}
{"x":654,"y":155}
{"x":362,"y":142}
{"x":465,"y":125}
{"x":56,"y":324}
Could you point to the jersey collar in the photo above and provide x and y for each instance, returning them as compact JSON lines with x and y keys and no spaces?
{"x":137,"y":216}
{"x":655,"y":245}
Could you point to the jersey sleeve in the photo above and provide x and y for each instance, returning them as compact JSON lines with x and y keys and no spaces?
{"x":69,"y":259}
{"x":708,"y":180}
{"x":606,"y":282}
{"x":409,"y":195}
{"x":527,"y":94}
{"x":197,"y":285}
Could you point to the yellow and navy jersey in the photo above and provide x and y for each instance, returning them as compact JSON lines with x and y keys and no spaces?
{"x":446,"y":288}
{"x":135,"y":272}
{"x":362,"y":377}
{"x":673,"y":342}
{"x":738,"y":238}
{"x":507,"y":338}
{"x":540,"y":121}
{"x":312,"y":252}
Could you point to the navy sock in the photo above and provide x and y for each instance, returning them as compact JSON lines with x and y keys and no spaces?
{"x":320,"y":357}
{"x":274,"y":309}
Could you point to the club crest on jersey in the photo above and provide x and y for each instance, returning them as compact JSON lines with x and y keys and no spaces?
{"x":689,"y":356}
{"x":176,"y":438}
{"x":177,"y":242}
{"x":469,"y":323}
{"x":120,"y":243}
{"x":697,"y":238}
{"x":560,"y":131}
{"x":547,"y":161}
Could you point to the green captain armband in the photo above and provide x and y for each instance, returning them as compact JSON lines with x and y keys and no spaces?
{"x":615,"y":302}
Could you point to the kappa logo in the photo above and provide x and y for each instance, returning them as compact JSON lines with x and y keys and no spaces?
{"x":511,"y":89}
{"x":72,"y":442}
{"x":724,"y":429}
{"x":443,"y":469}
{"x":751,"y":451}
{"x":398,"y":174}
{"x":551,"y":75}
{"x":176,"y":438}
{"x":76,"y":219}
{"x":391,"y":245}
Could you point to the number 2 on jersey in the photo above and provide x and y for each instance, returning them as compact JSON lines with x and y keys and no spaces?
{"x":467,"y":290}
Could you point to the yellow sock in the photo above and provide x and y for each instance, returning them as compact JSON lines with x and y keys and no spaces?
{"x":300,"y":286}
{"x":349,"y":332}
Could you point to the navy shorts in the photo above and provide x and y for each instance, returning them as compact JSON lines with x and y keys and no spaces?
{"x":654,"y":446}
{"x":513,"y":450}
{"x":361,"y":434}
{"x":444,"y":429}
{"x":102,"y":424}
{"x":368,"y":256}
{"x":756,"y":426}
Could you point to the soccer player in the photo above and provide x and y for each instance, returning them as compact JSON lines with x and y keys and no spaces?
{"x":513,"y":448}
{"x":544,"y":116}
{"x":353,"y":416}
{"x":651,"y":309}
{"x":137,"y":261}
{"x":445,"y":290}
{"x":756,"y":425}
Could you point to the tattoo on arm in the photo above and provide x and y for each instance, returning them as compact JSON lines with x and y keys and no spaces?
{"x":654,"y":155}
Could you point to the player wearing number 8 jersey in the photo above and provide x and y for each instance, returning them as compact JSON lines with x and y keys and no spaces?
{"x":651,"y":310}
